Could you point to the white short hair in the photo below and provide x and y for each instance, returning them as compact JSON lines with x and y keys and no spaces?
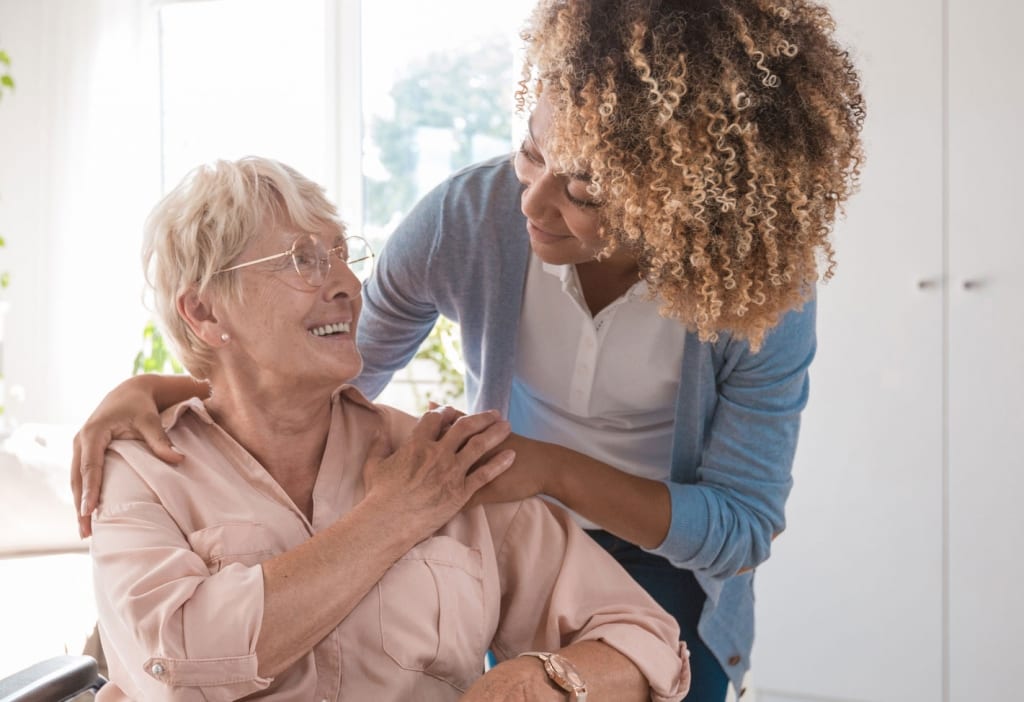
{"x":208,"y":220}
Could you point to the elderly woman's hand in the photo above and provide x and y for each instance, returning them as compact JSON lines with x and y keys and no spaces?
{"x":432,"y":475}
{"x":515,"y":680}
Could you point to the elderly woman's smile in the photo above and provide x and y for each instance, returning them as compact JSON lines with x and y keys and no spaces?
{"x":331,"y":329}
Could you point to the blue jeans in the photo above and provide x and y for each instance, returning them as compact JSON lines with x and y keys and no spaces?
{"x":682,"y":596}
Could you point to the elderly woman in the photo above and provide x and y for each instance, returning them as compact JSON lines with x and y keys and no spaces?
{"x":312,"y":545}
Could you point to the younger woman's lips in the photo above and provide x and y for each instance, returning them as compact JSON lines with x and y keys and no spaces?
{"x":541,"y":236}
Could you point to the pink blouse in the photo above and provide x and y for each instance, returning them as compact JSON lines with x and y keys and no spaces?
{"x":179,"y":585}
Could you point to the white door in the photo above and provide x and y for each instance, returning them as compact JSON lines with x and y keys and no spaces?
{"x":850,"y":604}
{"x":986,"y":350}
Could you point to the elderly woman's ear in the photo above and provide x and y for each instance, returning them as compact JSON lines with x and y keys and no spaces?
{"x":198,"y":313}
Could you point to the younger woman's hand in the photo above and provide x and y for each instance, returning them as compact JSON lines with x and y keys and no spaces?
{"x":127,"y":412}
{"x":525,"y":478}
{"x":440,"y":466}
{"x":528,"y":475}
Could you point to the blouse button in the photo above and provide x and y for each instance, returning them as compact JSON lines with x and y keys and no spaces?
{"x":734,"y":660}
{"x":157,"y":669}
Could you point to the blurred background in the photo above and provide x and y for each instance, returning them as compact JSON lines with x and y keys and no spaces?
{"x":895,"y":579}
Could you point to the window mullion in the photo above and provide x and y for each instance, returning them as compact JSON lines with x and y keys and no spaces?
{"x":344,"y":138}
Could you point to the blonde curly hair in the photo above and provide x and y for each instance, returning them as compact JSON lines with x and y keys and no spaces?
{"x":720,"y":136}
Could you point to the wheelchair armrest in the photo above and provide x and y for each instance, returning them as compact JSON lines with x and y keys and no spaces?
{"x":52,"y":680}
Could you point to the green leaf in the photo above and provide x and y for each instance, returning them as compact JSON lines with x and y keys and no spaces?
{"x":7,"y":81}
{"x":4,"y":58}
{"x":5,"y":280}
{"x":3,"y":242}
{"x":155,"y":356}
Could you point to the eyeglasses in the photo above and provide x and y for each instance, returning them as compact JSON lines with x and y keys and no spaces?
{"x":312,"y":259}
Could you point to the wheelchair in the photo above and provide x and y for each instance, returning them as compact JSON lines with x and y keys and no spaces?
{"x":57,"y":679}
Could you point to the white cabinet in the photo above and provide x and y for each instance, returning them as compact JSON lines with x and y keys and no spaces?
{"x":897,"y":577}
{"x":985,"y":384}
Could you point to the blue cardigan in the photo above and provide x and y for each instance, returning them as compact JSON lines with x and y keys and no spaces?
{"x":463,"y":252}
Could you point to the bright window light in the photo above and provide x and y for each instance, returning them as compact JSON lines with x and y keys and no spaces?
{"x":244,"y":77}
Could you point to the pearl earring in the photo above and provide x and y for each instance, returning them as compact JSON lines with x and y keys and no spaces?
{"x":225,"y":337}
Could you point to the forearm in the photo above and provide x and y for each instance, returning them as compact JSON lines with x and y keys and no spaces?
{"x":335,"y":569}
{"x":609,"y":676}
{"x":636,"y":509}
{"x":168,"y":390}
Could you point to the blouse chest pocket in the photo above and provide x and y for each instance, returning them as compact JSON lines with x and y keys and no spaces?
{"x":223,"y":544}
{"x":432,"y":611}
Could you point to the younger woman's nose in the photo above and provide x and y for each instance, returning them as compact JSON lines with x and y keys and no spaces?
{"x":540,"y":196}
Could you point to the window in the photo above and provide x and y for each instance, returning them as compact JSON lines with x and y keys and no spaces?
{"x":437,"y":96}
{"x":378,"y":101}
{"x":244,"y":77}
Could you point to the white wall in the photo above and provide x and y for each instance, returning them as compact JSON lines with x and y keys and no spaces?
{"x":78,"y":173}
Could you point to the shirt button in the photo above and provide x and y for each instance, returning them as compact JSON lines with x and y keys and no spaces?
{"x":157,"y":669}
{"x":734,"y":660}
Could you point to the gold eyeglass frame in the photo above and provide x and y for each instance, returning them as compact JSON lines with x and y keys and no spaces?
{"x":331,"y":253}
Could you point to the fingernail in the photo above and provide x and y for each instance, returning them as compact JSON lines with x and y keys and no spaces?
{"x":83,"y":508}
{"x":177,"y":450}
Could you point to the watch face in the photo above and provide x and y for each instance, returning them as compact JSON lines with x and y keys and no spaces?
{"x":564,"y":674}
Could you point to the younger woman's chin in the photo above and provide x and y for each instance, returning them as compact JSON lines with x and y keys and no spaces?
{"x":561,"y":254}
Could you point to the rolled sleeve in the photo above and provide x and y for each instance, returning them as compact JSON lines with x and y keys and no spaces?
{"x":560,"y":587}
{"x":667,"y":669}
{"x":181,"y":631}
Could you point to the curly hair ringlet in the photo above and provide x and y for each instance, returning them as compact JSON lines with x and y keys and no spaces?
{"x":721,"y":136}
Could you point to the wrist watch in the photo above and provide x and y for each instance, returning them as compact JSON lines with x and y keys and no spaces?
{"x":562,"y":673}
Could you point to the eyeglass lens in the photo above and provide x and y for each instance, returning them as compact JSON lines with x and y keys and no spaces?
{"x":312,"y":258}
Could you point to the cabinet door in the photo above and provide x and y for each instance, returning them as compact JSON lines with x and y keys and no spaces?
{"x":986,"y":350}
{"x":850,"y":604}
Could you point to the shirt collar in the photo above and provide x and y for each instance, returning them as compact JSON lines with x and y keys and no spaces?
{"x":172,"y":415}
{"x":566,"y":274}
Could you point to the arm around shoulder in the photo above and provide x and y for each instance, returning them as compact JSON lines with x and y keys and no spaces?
{"x":129,"y":411}
{"x":398,"y":307}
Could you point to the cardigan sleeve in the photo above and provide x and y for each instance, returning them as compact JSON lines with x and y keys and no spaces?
{"x":725,"y":521}
{"x":398,"y":307}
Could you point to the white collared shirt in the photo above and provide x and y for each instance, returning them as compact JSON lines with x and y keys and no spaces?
{"x":605,"y":386}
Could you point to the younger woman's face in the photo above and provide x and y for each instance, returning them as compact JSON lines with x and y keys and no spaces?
{"x":562,"y":217}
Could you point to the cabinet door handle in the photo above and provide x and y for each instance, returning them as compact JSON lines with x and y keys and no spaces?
{"x":927,"y":283}
{"x":972,"y":284}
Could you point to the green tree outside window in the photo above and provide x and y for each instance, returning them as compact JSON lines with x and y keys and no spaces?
{"x":467,"y":95}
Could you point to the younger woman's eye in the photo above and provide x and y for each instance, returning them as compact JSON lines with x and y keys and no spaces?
{"x":586,"y":202}
{"x":582,"y":204}
{"x":529,"y":155}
